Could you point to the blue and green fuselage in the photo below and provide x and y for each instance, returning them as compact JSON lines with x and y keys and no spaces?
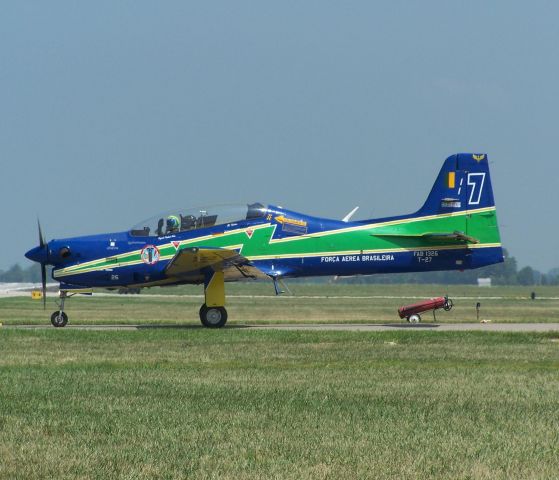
{"x":456,"y":229}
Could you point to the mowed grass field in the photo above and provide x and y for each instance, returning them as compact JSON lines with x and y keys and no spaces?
{"x":255,"y":303}
{"x":245,"y":404}
{"x":234,"y":403}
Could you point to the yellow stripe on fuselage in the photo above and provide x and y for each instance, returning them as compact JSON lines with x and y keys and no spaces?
{"x":369,"y":226}
{"x":372,"y":251}
{"x":79,"y":268}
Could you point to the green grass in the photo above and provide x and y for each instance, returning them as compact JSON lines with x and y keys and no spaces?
{"x":252,"y":303}
{"x":193,"y":403}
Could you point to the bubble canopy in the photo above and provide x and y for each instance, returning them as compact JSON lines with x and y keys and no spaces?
{"x":186,"y":219}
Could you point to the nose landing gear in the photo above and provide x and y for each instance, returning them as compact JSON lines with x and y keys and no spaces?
{"x":59,"y":318}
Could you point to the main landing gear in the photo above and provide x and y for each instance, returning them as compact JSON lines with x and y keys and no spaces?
{"x":213,"y":317}
{"x":213,"y":313}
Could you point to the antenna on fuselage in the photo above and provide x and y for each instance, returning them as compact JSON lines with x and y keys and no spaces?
{"x":349,"y":215}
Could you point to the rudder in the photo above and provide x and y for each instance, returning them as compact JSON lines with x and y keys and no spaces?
{"x":463,"y":183}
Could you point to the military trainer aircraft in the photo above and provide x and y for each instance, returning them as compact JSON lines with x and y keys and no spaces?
{"x":455,"y":229}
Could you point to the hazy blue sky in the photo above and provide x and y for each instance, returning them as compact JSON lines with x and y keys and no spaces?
{"x":113,"y":111}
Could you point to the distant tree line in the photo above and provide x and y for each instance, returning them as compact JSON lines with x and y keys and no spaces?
{"x":17,"y":274}
{"x":506,"y":273}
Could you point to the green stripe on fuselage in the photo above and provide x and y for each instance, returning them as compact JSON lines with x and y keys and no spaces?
{"x":480,"y":224}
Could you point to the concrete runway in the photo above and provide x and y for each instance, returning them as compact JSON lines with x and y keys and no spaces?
{"x":387,"y":327}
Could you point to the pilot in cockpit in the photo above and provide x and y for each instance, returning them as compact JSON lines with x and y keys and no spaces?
{"x":173,"y":224}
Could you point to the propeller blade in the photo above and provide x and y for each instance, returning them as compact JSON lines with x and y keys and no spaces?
{"x":41,"y":238}
{"x":44,"y":282}
{"x":43,"y":244}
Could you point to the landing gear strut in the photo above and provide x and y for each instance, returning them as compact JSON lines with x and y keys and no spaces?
{"x":213,"y":313}
{"x":59,"y":318}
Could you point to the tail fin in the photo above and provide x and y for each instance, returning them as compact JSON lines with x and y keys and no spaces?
{"x":458,"y":220}
{"x":463,"y":183}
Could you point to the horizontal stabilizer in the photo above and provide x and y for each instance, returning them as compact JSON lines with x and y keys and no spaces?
{"x":444,"y":236}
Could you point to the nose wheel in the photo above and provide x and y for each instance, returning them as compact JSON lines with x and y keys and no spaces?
{"x":59,"y":318}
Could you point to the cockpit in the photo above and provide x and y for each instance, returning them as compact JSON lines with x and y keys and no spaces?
{"x":181,"y":220}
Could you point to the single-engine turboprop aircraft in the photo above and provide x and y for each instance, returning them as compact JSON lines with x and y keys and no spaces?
{"x":456,"y":229}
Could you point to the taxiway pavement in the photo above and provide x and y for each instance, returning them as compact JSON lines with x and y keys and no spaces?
{"x":349,"y":327}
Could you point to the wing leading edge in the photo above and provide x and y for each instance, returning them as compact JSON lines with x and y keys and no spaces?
{"x":194,"y":262}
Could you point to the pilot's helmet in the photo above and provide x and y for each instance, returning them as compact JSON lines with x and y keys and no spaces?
{"x":172,"y":222}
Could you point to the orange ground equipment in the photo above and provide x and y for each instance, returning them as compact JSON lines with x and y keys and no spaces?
{"x":411,"y":312}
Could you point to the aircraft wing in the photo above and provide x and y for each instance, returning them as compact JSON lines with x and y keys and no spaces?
{"x":191,"y":262}
{"x":460,"y":237}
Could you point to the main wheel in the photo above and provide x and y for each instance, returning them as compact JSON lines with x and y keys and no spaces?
{"x":213,"y":317}
{"x":59,"y":319}
{"x":415,"y":318}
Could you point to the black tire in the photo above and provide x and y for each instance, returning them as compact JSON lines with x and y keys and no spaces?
{"x":213,"y":317}
{"x":59,"y":319}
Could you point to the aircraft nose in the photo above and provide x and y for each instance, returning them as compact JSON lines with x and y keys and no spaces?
{"x":38,"y":254}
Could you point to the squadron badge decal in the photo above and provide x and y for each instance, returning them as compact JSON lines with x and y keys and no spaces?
{"x":150,"y":254}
